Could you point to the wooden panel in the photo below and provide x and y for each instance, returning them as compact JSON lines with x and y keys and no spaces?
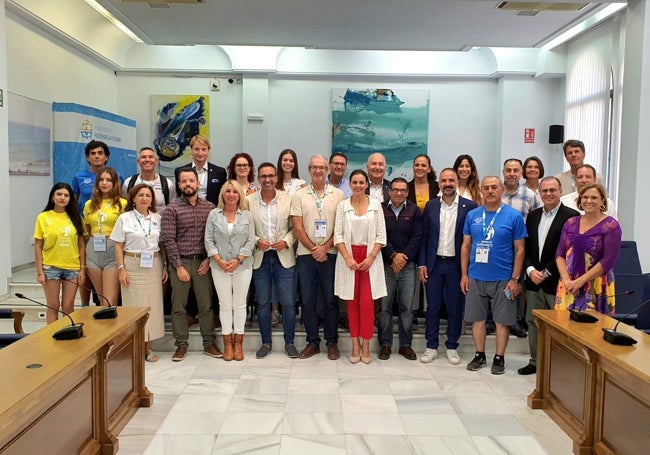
{"x":113,"y":378}
{"x":597,"y":392}
{"x":74,"y":412}
{"x":119,"y":377}
{"x":568,"y":377}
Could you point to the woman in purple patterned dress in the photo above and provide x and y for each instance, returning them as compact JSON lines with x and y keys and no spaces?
{"x":586,"y":255}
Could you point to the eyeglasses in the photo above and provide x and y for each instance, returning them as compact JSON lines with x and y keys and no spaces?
{"x":242,"y":166}
{"x":399,"y":190}
{"x":267,"y":176}
{"x":318,"y":168}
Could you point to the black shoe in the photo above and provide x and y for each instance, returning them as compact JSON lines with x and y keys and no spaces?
{"x":528,"y":369}
{"x":498,"y":365}
{"x":477,"y":363}
{"x":490,"y":328}
{"x":344,"y":324}
{"x":518,"y":331}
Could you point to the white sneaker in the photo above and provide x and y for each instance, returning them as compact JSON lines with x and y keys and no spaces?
{"x":429,"y":355}
{"x":452,"y":356}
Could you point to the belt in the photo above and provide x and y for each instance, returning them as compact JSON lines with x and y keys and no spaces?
{"x":446,"y":258}
{"x":137,"y":255}
{"x":194,"y":257}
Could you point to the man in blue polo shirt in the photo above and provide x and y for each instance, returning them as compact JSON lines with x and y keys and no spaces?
{"x":492,"y":257}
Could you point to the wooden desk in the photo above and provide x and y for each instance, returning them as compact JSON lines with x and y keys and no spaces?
{"x":597,"y":392}
{"x":83,"y":393}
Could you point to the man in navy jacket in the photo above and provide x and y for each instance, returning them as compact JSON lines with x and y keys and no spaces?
{"x":404,"y":236}
{"x":439,"y":264}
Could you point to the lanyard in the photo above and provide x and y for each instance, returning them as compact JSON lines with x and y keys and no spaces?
{"x":137,"y":218}
{"x":488,"y":232}
{"x":319,"y":199}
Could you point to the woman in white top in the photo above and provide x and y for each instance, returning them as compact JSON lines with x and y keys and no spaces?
{"x":229,"y":242}
{"x":140,"y":256}
{"x":288,"y":179}
{"x":359,"y":235}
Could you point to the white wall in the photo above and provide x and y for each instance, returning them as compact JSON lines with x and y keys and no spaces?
{"x":48,"y":71}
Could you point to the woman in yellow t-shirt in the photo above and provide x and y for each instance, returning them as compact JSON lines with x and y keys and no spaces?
{"x":100,"y":215}
{"x":59,"y":250}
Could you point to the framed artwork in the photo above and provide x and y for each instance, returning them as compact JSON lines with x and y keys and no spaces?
{"x":30,"y":136}
{"x":392,"y":122}
{"x":176,"y":119}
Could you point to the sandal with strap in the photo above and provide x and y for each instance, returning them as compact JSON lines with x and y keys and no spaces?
{"x":151,"y":356}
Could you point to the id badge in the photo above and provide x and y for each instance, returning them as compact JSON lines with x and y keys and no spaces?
{"x":99,"y":243}
{"x":320,"y":229}
{"x":482,"y":254}
{"x":146,"y":259}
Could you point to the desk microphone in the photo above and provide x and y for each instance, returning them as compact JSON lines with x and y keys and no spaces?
{"x":584,"y":316}
{"x":72,"y":332}
{"x":108,"y":312}
{"x":614,"y":337}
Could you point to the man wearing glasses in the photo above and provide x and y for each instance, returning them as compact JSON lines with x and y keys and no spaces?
{"x":211,"y":176}
{"x":404,"y":236}
{"x":274,"y":260}
{"x":336,"y":178}
{"x":313,"y":212}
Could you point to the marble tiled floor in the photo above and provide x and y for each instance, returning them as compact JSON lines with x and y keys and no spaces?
{"x":317,"y":406}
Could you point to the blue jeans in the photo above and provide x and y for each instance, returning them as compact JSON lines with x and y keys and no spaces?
{"x":444,"y":282}
{"x":317,"y":276}
{"x":269,"y":277}
{"x":400,"y":286}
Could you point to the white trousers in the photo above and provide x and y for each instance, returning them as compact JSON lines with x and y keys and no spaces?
{"x":232,"y":290}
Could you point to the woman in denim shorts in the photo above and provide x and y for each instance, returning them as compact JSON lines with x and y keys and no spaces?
{"x":59,"y":250}
{"x":100,"y":215}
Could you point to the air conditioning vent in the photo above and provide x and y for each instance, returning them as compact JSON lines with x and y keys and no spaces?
{"x":540,"y":6}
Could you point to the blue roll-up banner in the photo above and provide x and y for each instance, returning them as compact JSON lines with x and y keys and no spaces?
{"x":75,"y":125}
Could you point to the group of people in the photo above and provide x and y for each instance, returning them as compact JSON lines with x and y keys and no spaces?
{"x":362,"y":240}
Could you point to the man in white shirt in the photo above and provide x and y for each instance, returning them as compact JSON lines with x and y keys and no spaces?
{"x":274,"y":259}
{"x":379,"y":186}
{"x":211,"y":176}
{"x":585,"y":175}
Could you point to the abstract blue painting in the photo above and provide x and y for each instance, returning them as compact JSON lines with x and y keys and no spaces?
{"x":390,"y":121}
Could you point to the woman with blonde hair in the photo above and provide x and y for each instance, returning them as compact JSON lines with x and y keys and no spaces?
{"x":229,"y":242}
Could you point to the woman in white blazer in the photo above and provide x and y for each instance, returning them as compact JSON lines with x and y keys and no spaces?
{"x":359,"y":235}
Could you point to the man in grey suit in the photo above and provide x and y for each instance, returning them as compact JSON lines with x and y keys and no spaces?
{"x":274,"y":259}
{"x":544,"y":227}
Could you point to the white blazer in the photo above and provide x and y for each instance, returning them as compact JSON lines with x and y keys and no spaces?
{"x":344,"y":277}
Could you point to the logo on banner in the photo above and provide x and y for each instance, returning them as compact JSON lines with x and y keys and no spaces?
{"x":86,"y":130}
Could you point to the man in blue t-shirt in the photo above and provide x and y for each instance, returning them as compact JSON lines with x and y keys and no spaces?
{"x":492,"y":257}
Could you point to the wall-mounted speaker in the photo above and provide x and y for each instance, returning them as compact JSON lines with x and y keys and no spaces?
{"x":556,"y":134}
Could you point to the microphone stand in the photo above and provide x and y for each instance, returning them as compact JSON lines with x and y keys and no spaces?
{"x":71,"y":332}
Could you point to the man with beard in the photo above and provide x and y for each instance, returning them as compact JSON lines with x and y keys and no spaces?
{"x":439,"y":261}
{"x":183,"y":232}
